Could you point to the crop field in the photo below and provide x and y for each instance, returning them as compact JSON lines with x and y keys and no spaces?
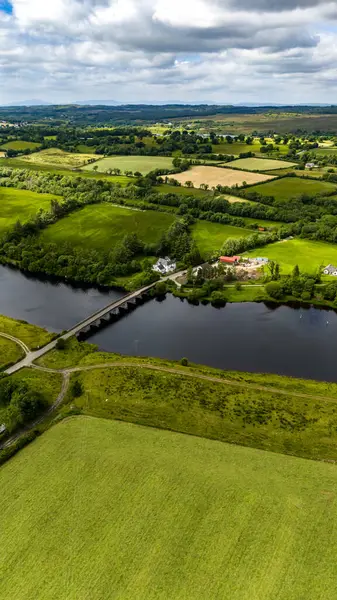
{"x":131,"y":512}
{"x":20,"y":145}
{"x":210,"y":237}
{"x":290,"y":187}
{"x":100,"y":226}
{"x":212,"y":176}
{"x":259,"y":164}
{"x":308,"y":255}
{"x":142,"y":164}
{"x":21,"y":204}
{"x":54,"y":157}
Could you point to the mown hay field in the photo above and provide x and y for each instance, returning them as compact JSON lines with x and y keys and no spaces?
{"x":20,"y":145}
{"x":307,"y":254}
{"x":210,"y":237}
{"x":100,"y":226}
{"x":142,"y":164}
{"x":213,"y":176}
{"x":21,"y":204}
{"x":259,"y":164}
{"x":139,"y":513}
{"x":54,"y":157}
{"x":290,"y":187}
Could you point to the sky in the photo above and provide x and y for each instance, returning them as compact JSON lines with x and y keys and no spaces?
{"x":218,"y":51}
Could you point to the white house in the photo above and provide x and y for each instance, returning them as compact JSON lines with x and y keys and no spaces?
{"x":330,"y":270}
{"x":165,"y":266}
{"x":311,"y":166}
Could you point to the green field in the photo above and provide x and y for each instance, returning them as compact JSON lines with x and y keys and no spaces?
{"x":16,"y":163}
{"x":53,"y":157}
{"x":237,"y":148}
{"x":308,"y":255}
{"x":100,"y":226}
{"x":20,"y":145}
{"x":325,"y":151}
{"x":259,"y":164}
{"x":165,"y":188}
{"x":21,"y":204}
{"x":210,"y":237}
{"x":104,"y":510}
{"x":143,"y":164}
{"x":289,"y":187}
{"x":10,"y":353}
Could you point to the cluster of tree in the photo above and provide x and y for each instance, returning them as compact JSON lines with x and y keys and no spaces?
{"x":22,"y":403}
{"x":298,"y":285}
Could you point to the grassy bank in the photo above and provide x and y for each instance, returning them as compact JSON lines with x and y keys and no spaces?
{"x":31,"y":335}
{"x":10,"y":353}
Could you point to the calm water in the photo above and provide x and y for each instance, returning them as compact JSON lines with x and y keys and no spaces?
{"x":243,"y":337}
{"x":55,"y":306}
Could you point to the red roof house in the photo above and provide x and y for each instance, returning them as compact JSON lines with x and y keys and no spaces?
{"x":229,"y":260}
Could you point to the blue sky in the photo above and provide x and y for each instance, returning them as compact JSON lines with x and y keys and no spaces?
{"x":282,"y":51}
{"x":6,"y":6}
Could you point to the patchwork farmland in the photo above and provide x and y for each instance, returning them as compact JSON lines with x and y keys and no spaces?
{"x":142,"y":164}
{"x":307,"y":254}
{"x":260,"y":164}
{"x":213,"y":176}
{"x":58,"y":158}
{"x":290,"y":187}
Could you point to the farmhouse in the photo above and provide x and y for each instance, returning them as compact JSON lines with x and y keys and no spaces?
{"x":229,"y":260}
{"x":330,"y":270}
{"x":164,"y":266}
{"x":311,"y":166}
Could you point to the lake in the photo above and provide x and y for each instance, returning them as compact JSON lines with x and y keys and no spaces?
{"x":243,"y":337}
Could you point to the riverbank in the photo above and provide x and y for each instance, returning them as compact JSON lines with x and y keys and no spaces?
{"x":270,"y":412}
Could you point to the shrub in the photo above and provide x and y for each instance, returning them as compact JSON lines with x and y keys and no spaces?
{"x":274,"y":290}
{"x":184,"y":362}
{"x":61,"y":344}
{"x":76,"y":388}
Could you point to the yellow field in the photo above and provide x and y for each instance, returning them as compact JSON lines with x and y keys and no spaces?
{"x":54,"y":157}
{"x":213,"y":176}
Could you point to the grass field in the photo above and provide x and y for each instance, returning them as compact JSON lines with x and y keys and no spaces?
{"x":10,"y":352}
{"x":20,"y":145}
{"x":21,"y":204}
{"x":102,"y":225}
{"x":213,"y":176}
{"x":237,"y":148}
{"x":143,"y":164}
{"x":165,"y":188}
{"x":308,"y":255}
{"x":325,"y":151}
{"x":31,"y":335}
{"x":54,"y":157}
{"x":210,"y":237}
{"x":289,"y":187}
{"x":130,"y":512}
{"x":259,"y":164}
{"x":16,"y":163}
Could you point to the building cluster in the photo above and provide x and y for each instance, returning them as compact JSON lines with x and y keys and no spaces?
{"x":165,"y":266}
{"x":330,"y":270}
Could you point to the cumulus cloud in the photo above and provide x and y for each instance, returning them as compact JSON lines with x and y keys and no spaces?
{"x":221,"y":50}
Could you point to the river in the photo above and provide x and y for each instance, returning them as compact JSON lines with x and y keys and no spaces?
{"x":243,"y":337}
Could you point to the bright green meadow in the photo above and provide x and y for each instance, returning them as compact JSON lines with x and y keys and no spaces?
{"x":20,"y":145}
{"x":143,"y":164}
{"x":98,"y":509}
{"x":10,"y":352}
{"x":100,"y":226}
{"x":21,"y":205}
{"x":210,"y":237}
{"x":31,"y":335}
{"x":307,"y":254}
{"x":289,"y":187}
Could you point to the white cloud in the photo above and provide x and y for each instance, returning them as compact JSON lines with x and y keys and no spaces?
{"x":221,"y":50}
